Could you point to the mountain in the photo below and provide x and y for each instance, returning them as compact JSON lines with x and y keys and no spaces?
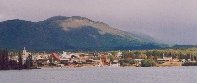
{"x":183,"y":46}
{"x":69,"y":33}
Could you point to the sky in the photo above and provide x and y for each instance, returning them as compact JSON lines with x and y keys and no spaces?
{"x":171,"y":21}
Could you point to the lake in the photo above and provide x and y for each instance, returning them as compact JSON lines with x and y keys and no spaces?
{"x":102,"y":75}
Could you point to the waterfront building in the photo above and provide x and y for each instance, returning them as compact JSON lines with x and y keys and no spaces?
{"x":164,"y":59}
{"x":115,"y":63}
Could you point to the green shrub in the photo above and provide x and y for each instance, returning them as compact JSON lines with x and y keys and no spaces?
{"x":147,"y":63}
{"x":189,"y":64}
{"x":126,"y":62}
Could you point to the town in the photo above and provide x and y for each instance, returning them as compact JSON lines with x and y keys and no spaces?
{"x":135,"y":58}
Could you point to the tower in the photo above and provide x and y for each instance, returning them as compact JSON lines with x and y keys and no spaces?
{"x":24,"y":51}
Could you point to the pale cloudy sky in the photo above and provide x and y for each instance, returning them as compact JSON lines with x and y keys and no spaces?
{"x":168,"y":20}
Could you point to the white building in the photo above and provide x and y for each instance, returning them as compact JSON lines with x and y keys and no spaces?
{"x":164,"y":59}
{"x":119,"y":54}
{"x":25,"y":54}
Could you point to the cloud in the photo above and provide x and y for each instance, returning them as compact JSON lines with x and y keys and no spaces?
{"x":167,"y":20}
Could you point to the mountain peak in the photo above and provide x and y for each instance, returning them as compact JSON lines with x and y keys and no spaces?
{"x":58,"y":18}
{"x":68,"y":23}
{"x":55,"y":18}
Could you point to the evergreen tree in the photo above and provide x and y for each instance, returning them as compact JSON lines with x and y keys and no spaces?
{"x":4,"y":60}
{"x":1,"y":60}
{"x":20,"y":59}
{"x":29,"y":62}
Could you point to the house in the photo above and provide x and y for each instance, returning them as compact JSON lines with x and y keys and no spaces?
{"x":104,"y":60}
{"x":164,"y":59}
{"x":119,"y":54}
{"x":70,"y":55}
{"x":42,"y":59}
{"x":115,"y":63}
{"x":137,"y":62}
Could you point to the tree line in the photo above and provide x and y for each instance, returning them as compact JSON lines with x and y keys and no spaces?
{"x":6,"y":63}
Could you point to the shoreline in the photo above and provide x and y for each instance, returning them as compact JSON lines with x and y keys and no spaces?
{"x":86,"y":67}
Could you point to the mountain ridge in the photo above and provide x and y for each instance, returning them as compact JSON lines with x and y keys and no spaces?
{"x":68,"y":33}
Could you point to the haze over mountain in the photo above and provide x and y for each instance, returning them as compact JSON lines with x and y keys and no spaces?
{"x":167,"y":20}
{"x":70,"y":33}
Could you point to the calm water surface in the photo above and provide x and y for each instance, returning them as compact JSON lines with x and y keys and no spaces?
{"x":102,"y":75}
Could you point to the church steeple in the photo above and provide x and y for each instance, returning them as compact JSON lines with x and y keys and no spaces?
{"x":24,"y":51}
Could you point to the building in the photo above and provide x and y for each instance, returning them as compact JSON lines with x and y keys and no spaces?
{"x":115,"y":63}
{"x":25,"y":54}
{"x":164,"y":59}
